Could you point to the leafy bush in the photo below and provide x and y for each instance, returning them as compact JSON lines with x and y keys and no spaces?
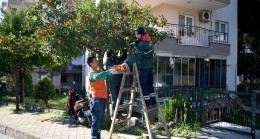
{"x":43,"y":85}
{"x":185,"y":129}
{"x":176,"y":109}
{"x":10,"y":83}
{"x":28,"y":85}
{"x":57,"y":91}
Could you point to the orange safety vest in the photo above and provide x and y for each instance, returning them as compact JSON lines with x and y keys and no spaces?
{"x":98,"y":88}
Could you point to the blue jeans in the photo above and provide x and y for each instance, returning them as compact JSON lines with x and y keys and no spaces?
{"x":114,"y":94}
{"x":146,"y":81}
{"x":97,"y":106}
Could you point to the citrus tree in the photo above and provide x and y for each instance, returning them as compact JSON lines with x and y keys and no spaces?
{"x":109,"y":25}
{"x":19,"y":48}
{"x":70,"y":29}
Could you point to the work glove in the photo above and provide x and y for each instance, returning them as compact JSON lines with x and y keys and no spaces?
{"x":125,"y":66}
{"x":112,"y":71}
{"x":133,"y":44}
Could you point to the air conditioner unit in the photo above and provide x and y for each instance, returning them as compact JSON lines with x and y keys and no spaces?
{"x":205,"y":16}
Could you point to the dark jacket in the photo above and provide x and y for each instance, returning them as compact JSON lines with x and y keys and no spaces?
{"x":143,"y":55}
{"x":116,"y":79}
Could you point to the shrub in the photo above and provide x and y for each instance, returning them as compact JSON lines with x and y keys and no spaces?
{"x":57,"y":91}
{"x":28,"y":84}
{"x":176,"y":109}
{"x":43,"y":85}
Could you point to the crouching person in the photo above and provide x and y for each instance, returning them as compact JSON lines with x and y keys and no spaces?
{"x":98,"y":91}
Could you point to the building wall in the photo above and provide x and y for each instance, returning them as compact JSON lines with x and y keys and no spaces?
{"x":56,"y":80}
{"x":172,"y":13}
{"x":229,"y":14}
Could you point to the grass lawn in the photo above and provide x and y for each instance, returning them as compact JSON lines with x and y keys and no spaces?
{"x":60,"y":102}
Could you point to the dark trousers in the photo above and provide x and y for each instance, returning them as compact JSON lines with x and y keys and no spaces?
{"x":146,"y":81}
{"x":98,"y":106}
{"x":114,"y":94}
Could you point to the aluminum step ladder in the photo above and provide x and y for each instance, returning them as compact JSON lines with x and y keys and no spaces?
{"x":146,"y":111}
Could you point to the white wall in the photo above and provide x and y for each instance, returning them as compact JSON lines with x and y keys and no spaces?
{"x":172,"y":13}
{"x":229,"y":14}
{"x":56,"y":80}
{"x":226,"y":14}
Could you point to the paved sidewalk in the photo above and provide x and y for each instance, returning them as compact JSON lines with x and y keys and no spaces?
{"x":28,"y":125}
{"x":41,"y":125}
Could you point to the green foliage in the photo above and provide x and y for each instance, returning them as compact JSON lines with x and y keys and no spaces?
{"x":10,"y":83}
{"x":69,"y":30}
{"x":107,"y":125}
{"x":183,"y":130}
{"x":176,"y":109}
{"x":28,"y":85}
{"x":43,"y":85}
{"x":134,"y":131}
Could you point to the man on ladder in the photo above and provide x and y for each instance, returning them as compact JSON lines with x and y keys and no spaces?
{"x":143,"y":57}
{"x":142,"y":60}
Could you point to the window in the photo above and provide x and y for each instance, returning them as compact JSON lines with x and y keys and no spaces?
{"x":185,"y":71}
{"x":221,"y":29}
{"x":64,"y":78}
{"x":211,"y":73}
{"x":186,"y":23}
{"x":77,"y":78}
{"x":164,"y":73}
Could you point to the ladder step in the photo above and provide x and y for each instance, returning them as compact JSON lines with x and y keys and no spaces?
{"x":121,"y":121}
{"x":130,"y":73}
{"x":127,"y":89}
{"x":151,"y":109}
{"x":125,"y":105}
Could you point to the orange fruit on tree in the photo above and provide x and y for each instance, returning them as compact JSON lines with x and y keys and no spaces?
{"x":86,"y":19}
{"x":59,"y":41}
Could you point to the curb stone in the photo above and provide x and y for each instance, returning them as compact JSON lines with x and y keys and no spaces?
{"x":17,"y":134}
{"x":2,"y":129}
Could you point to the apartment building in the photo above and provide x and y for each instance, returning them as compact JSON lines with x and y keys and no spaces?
{"x":203,"y":49}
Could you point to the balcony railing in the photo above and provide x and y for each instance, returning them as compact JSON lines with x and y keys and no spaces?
{"x":193,"y":35}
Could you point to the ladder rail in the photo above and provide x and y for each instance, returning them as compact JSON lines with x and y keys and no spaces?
{"x":117,"y":105}
{"x":136,"y":81}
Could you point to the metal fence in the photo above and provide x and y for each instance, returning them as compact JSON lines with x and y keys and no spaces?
{"x":194,"y":35}
{"x":229,"y":110}
{"x":217,"y":108}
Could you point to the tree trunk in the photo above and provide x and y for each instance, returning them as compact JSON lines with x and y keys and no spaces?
{"x":17,"y":90}
{"x":52,"y":77}
{"x":21,"y":86}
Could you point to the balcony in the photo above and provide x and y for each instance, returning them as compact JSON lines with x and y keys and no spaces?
{"x":188,"y":4}
{"x":193,"y":35}
{"x":14,"y":4}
